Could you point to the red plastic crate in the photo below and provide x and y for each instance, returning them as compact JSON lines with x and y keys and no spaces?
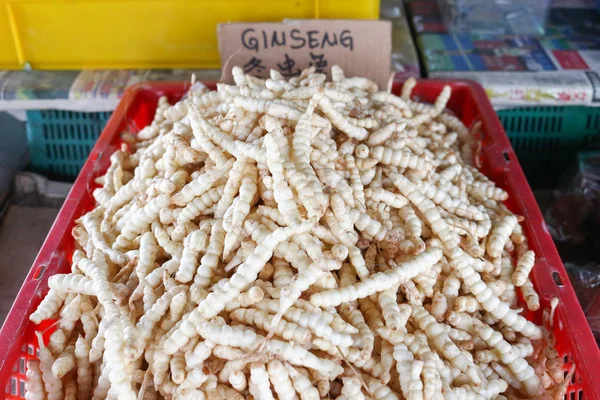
{"x":469,"y":102}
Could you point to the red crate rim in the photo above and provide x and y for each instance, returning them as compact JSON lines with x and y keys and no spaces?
{"x":584,"y":348}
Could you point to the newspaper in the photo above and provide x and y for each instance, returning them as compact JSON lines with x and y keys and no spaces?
{"x":80,"y":90}
{"x":559,"y":68}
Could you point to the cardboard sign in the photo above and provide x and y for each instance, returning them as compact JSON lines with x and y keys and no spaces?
{"x":361,"y":48}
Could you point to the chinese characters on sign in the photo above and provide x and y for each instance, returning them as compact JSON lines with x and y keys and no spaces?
{"x":318,"y":61}
{"x":287,"y":68}
{"x":253,"y":65}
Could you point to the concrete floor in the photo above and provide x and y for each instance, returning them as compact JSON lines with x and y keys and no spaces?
{"x":22,"y":232}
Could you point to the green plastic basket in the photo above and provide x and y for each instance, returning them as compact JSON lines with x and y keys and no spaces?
{"x":60,"y":141}
{"x":547,"y":139}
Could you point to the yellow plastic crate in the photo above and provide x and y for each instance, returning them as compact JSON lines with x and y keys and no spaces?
{"x":80,"y":34}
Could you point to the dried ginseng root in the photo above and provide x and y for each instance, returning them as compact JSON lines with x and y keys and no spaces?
{"x":297,"y":239}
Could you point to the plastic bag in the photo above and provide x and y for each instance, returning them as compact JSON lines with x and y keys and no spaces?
{"x":586,"y":283}
{"x":572,"y":213}
{"x":572,"y":210}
